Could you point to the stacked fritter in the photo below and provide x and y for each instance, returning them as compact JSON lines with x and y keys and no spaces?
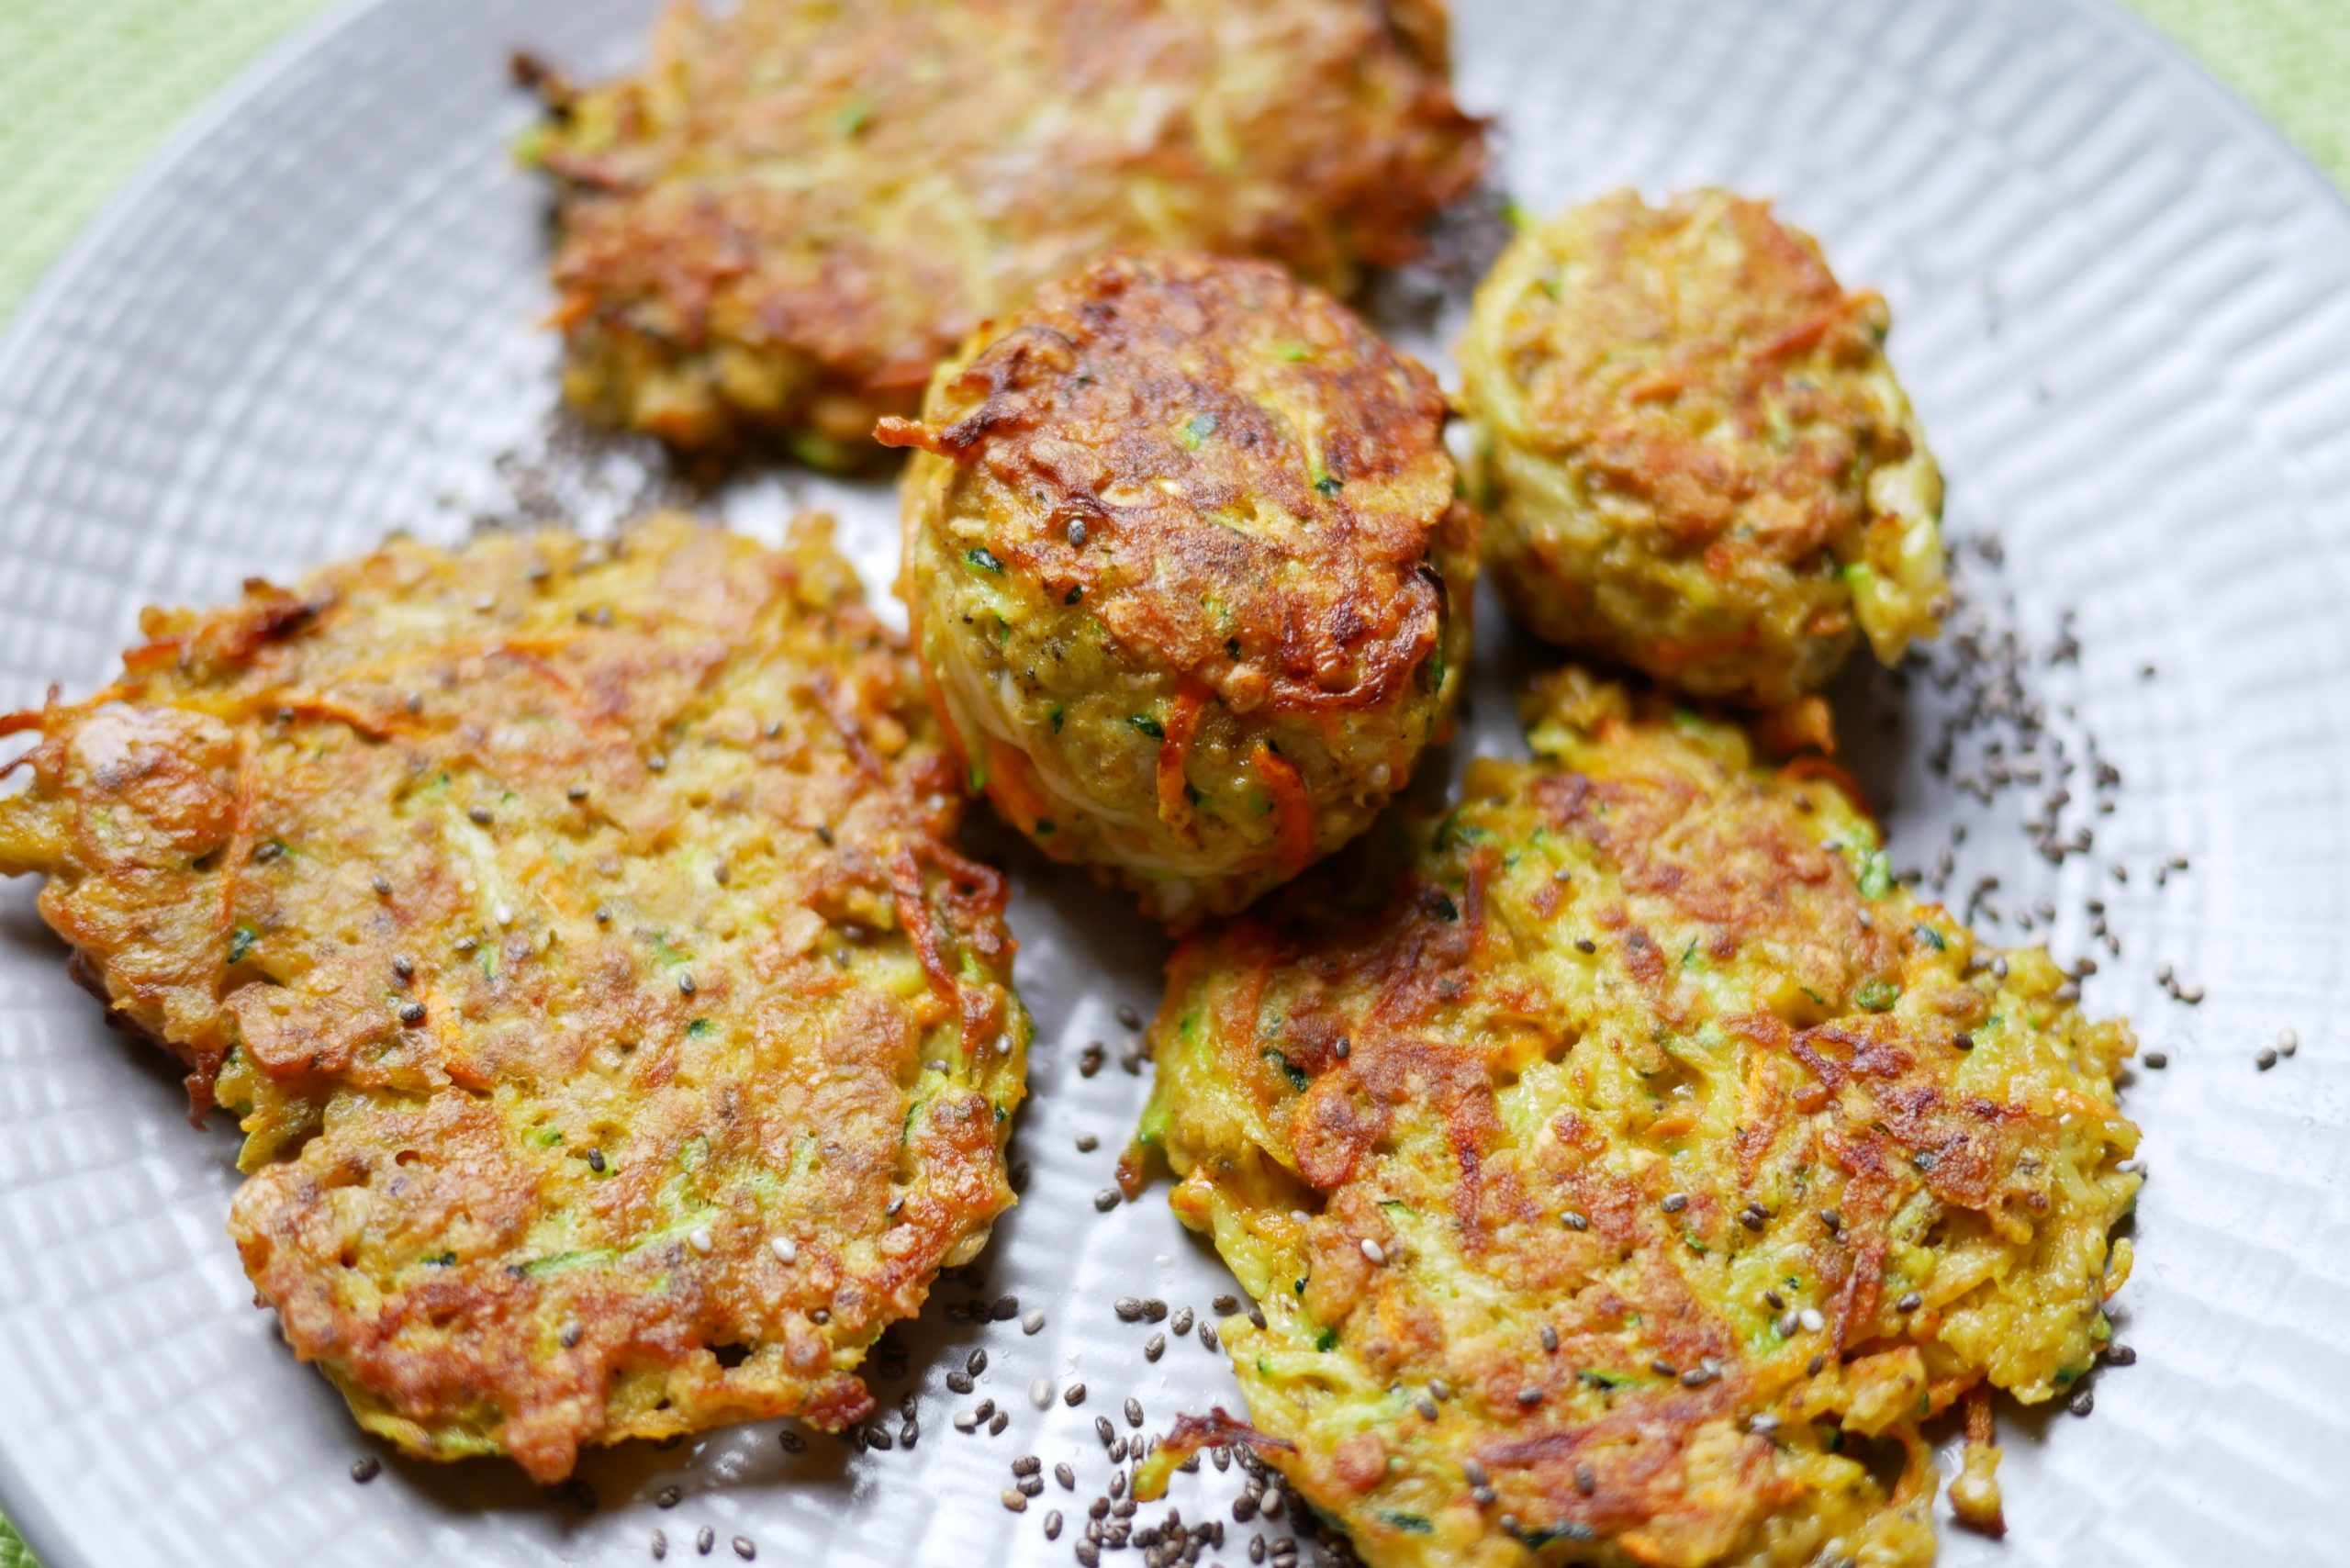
{"x":1624,"y":1165}
{"x":618,"y":1043}
{"x":1190,"y":584}
{"x":797,"y":208}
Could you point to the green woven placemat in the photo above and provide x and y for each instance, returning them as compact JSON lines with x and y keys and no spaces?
{"x":94,"y":86}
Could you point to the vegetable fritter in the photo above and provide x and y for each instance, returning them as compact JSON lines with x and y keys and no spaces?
{"x":619,"y":1047}
{"x":1190,"y":581}
{"x":1703,"y":465}
{"x":1625,"y":1165}
{"x":795,"y":210}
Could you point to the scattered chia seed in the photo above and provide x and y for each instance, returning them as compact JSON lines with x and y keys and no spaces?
{"x":366,"y":1469}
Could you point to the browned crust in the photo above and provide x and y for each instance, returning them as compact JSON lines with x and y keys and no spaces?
{"x":526,"y":901}
{"x":1079,"y":423}
{"x":848,"y":190}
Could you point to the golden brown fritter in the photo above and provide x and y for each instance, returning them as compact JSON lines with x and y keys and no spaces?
{"x":1624,"y":1165}
{"x":619,"y":1044}
{"x":1190,"y":583}
{"x":794,"y":212}
{"x":1702,"y":464}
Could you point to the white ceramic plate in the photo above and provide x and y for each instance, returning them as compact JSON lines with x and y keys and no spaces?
{"x":2124,"y":309}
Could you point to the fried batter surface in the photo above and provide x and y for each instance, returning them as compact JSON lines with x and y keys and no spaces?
{"x":1190,"y":585}
{"x":619,"y":1044}
{"x":1624,"y":1165}
{"x":784,"y":221}
{"x":1703,"y":465}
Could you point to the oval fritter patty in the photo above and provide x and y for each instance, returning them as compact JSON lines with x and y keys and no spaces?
{"x":1623,"y":1163}
{"x":795,"y":210}
{"x":620,"y":1046}
{"x":1190,"y":583}
{"x":1702,"y":464}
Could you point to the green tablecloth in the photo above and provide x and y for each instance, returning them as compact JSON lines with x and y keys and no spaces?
{"x":92,"y":87}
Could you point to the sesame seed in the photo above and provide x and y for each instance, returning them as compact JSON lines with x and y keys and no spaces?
{"x":700,"y":1237}
{"x":366,"y":1469}
{"x":1373,"y":1250}
{"x":786,"y":1250}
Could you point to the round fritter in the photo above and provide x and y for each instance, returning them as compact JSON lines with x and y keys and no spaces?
{"x":785,"y":221}
{"x":1702,"y":464}
{"x":1189,"y":582}
{"x":619,"y":1044}
{"x":1624,"y":1165}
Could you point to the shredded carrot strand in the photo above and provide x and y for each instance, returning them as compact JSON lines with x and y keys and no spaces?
{"x":1293,"y":812}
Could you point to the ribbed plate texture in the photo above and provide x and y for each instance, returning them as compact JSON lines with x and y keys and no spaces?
{"x":2125,"y":311}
